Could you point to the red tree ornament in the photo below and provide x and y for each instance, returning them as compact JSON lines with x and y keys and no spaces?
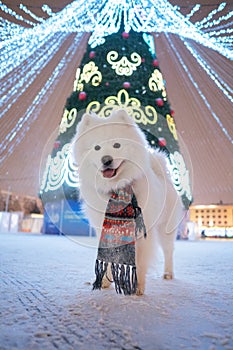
{"x":92,"y":54}
{"x":125,"y":35}
{"x":126,"y":85}
{"x":155,"y":63}
{"x":162,"y":142}
{"x":172,"y":112}
{"x":57,"y":144}
{"x":159,"y":102}
{"x":82,"y":96}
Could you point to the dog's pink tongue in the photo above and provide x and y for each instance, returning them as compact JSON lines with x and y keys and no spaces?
{"x":109,"y":173}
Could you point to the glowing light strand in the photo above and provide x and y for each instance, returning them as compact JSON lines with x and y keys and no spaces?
{"x":34,"y":68}
{"x":20,"y":50}
{"x":8,"y":30}
{"x":33,"y":111}
{"x":222,"y":31}
{"x":213,"y":75}
{"x":9,"y":11}
{"x":71,"y":19}
{"x":47,"y":10}
{"x":30,"y":13}
{"x":212,"y":113}
{"x":217,"y":21}
{"x":10,"y":122}
{"x":223,"y":26}
{"x":227,"y":40}
{"x":179,"y":25}
{"x":194,"y":10}
{"x":199,"y":24}
{"x":18,"y":73}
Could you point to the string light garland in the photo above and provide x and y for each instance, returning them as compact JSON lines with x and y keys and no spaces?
{"x":220,"y":32}
{"x":212,"y":113}
{"x":28,"y":73}
{"x":14,"y":137}
{"x":199,"y":24}
{"x":11,"y":12}
{"x":225,"y":88}
{"x":194,"y":10}
{"x":217,"y":21}
{"x":226,"y":25}
{"x":30,"y":13}
{"x":21,"y":49}
{"x":103,"y":18}
{"x":47,"y":10}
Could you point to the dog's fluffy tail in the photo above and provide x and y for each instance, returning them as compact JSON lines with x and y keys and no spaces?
{"x":158,"y":163}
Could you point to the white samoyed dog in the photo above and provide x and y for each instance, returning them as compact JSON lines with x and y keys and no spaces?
{"x":112,"y":153}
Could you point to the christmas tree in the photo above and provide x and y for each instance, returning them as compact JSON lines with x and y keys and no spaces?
{"x":118,"y":71}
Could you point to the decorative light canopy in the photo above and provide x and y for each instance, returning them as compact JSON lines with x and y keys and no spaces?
{"x":103,"y":17}
{"x":27,"y":48}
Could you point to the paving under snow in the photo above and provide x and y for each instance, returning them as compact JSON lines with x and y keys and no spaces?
{"x":46,"y":301}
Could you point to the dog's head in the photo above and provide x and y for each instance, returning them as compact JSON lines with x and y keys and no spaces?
{"x":110,"y":150}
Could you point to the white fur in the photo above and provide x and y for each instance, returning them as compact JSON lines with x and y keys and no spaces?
{"x":139,"y":166}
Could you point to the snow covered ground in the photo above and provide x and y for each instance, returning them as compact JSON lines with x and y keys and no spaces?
{"x":46,"y":301}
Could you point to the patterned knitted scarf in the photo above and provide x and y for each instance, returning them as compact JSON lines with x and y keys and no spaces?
{"x":123,"y":224}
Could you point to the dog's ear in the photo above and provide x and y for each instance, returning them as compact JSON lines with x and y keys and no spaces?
{"x":122,"y":115}
{"x":85,"y":123}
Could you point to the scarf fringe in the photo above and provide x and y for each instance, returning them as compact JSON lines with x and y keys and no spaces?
{"x":140,"y":225}
{"x":100,"y":270}
{"x":124,"y":277}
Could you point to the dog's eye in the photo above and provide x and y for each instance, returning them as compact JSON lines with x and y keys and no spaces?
{"x":97,"y":147}
{"x":117,"y":145}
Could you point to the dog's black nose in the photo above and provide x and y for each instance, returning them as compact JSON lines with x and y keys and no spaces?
{"x":107,"y":160}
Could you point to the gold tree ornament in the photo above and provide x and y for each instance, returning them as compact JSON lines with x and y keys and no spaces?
{"x":68,"y":119}
{"x":124,"y":66}
{"x":141,"y":115}
{"x":90,"y":74}
{"x":171,"y":126}
{"x":76,"y":85}
{"x":156,"y":83}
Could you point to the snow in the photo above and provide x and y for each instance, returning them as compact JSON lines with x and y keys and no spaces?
{"x":46,"y":299}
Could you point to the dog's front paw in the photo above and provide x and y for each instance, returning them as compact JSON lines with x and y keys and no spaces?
{"x":140,"y":290}
{"x":107,"y":279}
{"x":105,"y":283}
{"x":168,"y":276}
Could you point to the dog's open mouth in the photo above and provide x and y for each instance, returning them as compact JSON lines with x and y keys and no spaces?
{"x":110,"y":172}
